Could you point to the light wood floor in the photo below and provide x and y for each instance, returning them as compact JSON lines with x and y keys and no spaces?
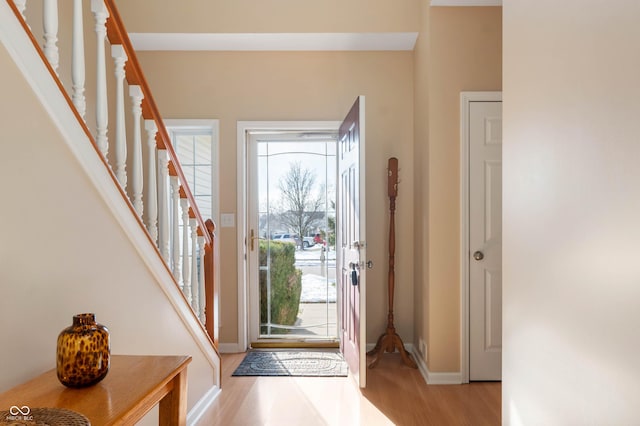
{"x":395,"y":394}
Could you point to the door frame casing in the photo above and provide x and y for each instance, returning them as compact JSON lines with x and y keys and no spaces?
{"x":466,"y":98}
{"x":243,"y":127}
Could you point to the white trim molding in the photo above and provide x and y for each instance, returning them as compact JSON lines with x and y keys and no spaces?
{"x":201,"y":407}
{"x":466,"y":2}
{"x":430,"y":377}
{"x":230,"y":348}
{"x":243,"y":130}
{"x":407,"y":346}
{"x":465,"y":101}
{"x":275,"y":41}
{"x":435,"y":378}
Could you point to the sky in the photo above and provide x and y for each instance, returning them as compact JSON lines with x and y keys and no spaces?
{"x":275,"y":160}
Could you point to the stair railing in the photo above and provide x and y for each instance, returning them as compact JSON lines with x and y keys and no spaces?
{"x":151,"y":178}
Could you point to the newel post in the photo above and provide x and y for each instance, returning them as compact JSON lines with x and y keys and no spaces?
{"x":209,"y":283}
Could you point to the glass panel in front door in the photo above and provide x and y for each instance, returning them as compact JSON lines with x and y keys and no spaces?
{"x":296,"y":230}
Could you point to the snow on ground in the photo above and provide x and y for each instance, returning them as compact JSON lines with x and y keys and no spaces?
{"x":313,"y":256}
{"x":315,"y":288}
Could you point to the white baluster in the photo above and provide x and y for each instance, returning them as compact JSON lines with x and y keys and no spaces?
{"x":50,"y":24}
{"x":163,"y":205}
{"x":201,"y":293}
{"x":119,"y":58}
{"x":175,"y":229}
{"x":21,"y":5}
{"x":186,"y":272}
{"x":194,"y":264}
{"x":77,"y":59}
{"x":151,"y":184}
{"x":136,"y":174}
{"x":101,"y":14}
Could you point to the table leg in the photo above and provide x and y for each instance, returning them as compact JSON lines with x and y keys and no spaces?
{"x":173,"y":407}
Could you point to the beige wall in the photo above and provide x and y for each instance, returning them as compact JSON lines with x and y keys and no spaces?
{"x":277,"y":16}
{"x":458,"y":49}
{"x":465,"y":55}
{"x":235,"y":86}
{"x":461,"y":51}
{"x":571,"y":209}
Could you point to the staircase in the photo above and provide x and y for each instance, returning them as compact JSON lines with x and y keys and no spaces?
{"x":98,"y":216}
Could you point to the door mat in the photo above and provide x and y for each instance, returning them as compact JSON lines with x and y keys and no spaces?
{"x":292,"y":363}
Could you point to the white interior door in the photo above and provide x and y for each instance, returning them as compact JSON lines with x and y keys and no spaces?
{"x":350,"y":243}
{"x":485,"y":240}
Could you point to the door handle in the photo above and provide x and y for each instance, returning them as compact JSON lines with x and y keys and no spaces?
{"x":358,"y":244}
{"x":478,"y":255}
{"x":252,"y":238}
{"x":354,"y":274}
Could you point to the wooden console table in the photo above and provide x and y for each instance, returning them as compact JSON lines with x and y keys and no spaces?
{"x":133,"y":386}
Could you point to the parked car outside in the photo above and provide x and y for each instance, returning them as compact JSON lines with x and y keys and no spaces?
{"x":293,"y":238}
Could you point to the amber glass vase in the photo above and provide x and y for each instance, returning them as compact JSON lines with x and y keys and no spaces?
{"x":83,"y":352}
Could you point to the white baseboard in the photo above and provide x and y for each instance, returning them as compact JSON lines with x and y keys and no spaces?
{"x":421,"y":366}
{"x":407,"y":346}
{"x":453,"y":378}
{"x":201,"y":406}
{"x":433,"y":378}
{"x":230,"y":348}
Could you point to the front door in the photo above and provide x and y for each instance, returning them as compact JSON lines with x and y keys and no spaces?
{"x":351,"y":246}
{"x":291,"y":238}
{"x":485,"y":240}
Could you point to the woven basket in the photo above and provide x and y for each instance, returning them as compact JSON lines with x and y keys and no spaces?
{"x":45,"y":417}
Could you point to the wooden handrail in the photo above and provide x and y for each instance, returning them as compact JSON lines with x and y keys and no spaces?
{"x":209,"y":285}
{"x":117,"y":34}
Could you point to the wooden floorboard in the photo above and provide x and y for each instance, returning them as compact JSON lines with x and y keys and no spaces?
{"x":395,"y":394}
